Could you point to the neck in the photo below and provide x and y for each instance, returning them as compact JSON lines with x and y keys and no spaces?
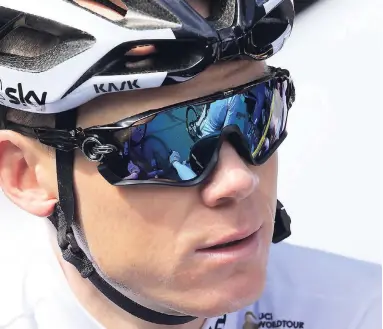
{"x":102,"y":309}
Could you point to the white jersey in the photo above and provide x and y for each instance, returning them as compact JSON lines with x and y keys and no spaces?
{"x":305,"y":288}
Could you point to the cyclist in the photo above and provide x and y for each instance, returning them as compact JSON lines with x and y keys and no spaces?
{"x":223,"y":113}
{"x":75,"y":75}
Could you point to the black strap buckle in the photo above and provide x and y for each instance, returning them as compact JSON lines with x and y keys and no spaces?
{"x":73,"y":245}
{"x":73,"y":254}
{"x":282,"y":226}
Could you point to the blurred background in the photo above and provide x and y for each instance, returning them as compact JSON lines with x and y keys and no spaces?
{"x":329,"y":164}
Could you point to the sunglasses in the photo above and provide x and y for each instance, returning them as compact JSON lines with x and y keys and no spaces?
{"x":179,"y":145}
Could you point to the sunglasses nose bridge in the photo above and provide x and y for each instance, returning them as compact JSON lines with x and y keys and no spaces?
{"x":234,"y":136}
{"x":204,"y":154}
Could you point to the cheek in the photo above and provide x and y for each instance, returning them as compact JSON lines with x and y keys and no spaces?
{"x":131,"y":231}
{"x":268,"y":176}
{"x":267,"y":192}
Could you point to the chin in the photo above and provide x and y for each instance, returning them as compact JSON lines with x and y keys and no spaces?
{"x":236,"y":295}
{"x":225,"y":296}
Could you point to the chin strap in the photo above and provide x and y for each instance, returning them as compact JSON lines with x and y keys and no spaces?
{"x":63,"y":219}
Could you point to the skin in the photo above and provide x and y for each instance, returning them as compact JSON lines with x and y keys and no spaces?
{"x":152,"y":249}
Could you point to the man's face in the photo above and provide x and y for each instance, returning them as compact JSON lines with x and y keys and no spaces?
{"x":147,"y":238}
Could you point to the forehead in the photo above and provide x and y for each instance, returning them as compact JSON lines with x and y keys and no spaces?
{"x":116,"y":106}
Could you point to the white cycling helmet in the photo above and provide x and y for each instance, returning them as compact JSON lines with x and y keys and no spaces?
{"x":88,"y":55}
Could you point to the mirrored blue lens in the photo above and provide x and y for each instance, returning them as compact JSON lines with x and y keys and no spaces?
{"x":177,"y":144}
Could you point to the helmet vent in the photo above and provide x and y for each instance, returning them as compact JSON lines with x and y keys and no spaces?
{"x":27,"y":42}
{"x":35,"y":44}
{"x":222,"y":13}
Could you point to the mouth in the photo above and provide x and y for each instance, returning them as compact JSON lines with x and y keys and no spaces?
{"x":237,"y":248}
{"x":228,"y":243}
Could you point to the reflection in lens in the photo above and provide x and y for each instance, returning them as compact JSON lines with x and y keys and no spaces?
{"x":156,"y":152}
{"x":193,"y":115}
{"x":202,"y":151}
{"x":138,"y":133}
{"x":266,"y":118}
{"x":163,"y":153}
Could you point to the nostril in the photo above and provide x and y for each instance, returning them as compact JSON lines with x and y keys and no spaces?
{"x":222,"y":201}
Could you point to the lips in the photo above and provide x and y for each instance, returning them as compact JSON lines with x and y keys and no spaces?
{"x":228,"y":241}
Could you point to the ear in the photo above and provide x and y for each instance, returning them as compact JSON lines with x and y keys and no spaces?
{"x":24,"y":174}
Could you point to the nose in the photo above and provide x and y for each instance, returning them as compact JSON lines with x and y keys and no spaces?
{"x":232,"y":180}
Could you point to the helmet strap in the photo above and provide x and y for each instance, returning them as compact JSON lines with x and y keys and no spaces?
{"x":63,"y":219}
